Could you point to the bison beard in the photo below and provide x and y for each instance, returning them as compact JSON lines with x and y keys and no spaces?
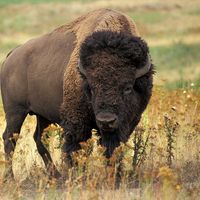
{"x":111,"y":140}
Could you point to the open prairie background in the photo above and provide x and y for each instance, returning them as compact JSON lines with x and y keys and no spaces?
{"x":167,"y":166}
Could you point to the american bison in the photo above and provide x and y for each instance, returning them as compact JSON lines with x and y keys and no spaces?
{"x":93,"y":73}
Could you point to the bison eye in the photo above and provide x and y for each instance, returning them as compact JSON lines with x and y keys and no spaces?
{"x":128,"y":89}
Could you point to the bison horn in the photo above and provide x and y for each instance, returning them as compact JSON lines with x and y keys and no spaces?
{"x":80,"y":67}
{"x":145,"y":69}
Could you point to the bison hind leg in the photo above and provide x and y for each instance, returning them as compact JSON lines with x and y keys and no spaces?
{"x":42,"y":123}
{"x":14,"y":120}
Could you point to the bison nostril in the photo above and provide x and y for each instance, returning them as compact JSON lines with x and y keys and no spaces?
{"x":106,"y":120}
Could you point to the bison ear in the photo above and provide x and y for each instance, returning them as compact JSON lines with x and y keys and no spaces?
{"x":80,"y":67}
{"x":145,"y":69}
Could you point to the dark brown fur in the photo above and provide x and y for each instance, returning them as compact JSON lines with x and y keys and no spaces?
{"x":110,"y":60}
{"x":42,"y":77}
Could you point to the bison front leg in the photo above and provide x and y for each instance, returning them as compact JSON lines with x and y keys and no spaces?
{"x":72,"y":137}
{"x":70,"y":145}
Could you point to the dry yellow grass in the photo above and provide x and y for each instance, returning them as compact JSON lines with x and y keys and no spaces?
{"x":152,"y":178}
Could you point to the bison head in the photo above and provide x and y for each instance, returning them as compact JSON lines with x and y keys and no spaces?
{"x":117,"y":78}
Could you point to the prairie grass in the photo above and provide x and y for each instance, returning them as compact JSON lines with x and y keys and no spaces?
{"x":161,"y":159}
{"x":171,"y":29}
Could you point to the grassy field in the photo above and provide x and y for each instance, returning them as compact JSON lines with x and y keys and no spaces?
{"x":162,"y":159}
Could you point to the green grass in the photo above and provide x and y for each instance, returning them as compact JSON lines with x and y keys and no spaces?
{"x":13,"y":2}
{"x":8,"y":46}
{"x":149,"y":17}
{"x":184,"y":84}
{"x":31,"y":21}
{"x":177,"y":64}
{"x":176,"y":56}
{"x":195,"y":11}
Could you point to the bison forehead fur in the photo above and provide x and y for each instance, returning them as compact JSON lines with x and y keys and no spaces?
{"x":93,"y":73}
{"x":128,"y":48}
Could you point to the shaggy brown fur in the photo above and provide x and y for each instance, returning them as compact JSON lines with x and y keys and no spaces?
{"x":83,"y":120}
{"x":103,"y":19}
{"x":110,"y":60}
{"x":42,"y":77}
{"x":76,"y":112}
